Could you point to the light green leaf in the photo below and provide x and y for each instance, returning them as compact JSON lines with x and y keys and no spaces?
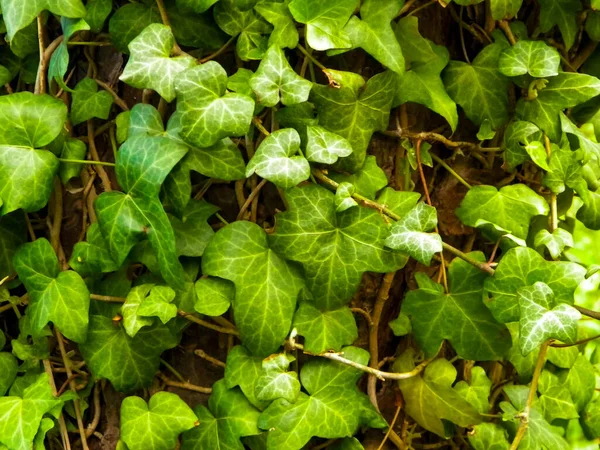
{"x":132,"y":322}
{"x":537,"y":152}
{"x":555,"y":242}
{"x":431,"y":398}
{"x":151,"y":66}
{"x":347,"y":444}
{"x":489,"y":436}
{"x":54,"y":296}
{"x":355,"y":114}
{"x":244,"y":370}
{"x":89,"y":103}
{"x":533,"y":57}
{"x":59,"y":62}
{"x":518,"y":135}
{"x":485,"y":131}
{"x":505,"y":9}
{"x":128,"y":22}
{"x":324,"y":146}
{"x":91,"y":257}
{"x":208,"y":113}
{"x":334,"y":249}
{"x":193,"y":232}
{"x":159,"y":304}
{"x":229,"y":417}
{"x":275,"y":79}
{"x":580,"y":380}
{"x":562,"y":13}
{"x":156,"y":425}
{"x":591,"y":418}
{"x":343,"y":197}
{"x":276,"y":381}
{"x":592,"y":25}
{"x":410,"y":236}
{"x":266,"y":286}
{"x":368,"y":180}
{"x":401,"y":325}
{"x":12,"y":235}
{"x":275,"y":160}
{"x":399,"y":202}
{"x":479,"y":88}
{"x":284,"y":32}
{"x":8,"y":371}
{"x":198,"y":6}
{"x":459,"y":316}
{"x":213,"y":296}
{"x":562,"y":91}
{"x":478,"y":391}
{"x":565,"y":169}
{"x":511,"y":208}
{"x":72,"y":149}
{"x":324,"y":21}
{"x":555,"y":400}
{"x":325,"y":330}
{"x":128,"y":363}
{"x":17,"y":14}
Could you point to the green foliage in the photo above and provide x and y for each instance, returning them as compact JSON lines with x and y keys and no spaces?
{"x":88,"y":103}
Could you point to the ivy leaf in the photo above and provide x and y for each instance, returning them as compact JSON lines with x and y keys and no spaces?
{"x":410,"y":236}
{"x":54,"y":296}
{"x":324,"y":146}
{"x":12,"y":235}
{"x":192,"y":232}
{"x":92,"y":256}
{"x":479,"y":88}
{"x":477,"y":393}
{"x":368,"y":180}
{"x":459,"y":316}
{"x":151,"y":66}
{"x":8,"y":371}
{"x":324,"y":21}
{"x":325,"y":330}
{"x":431,"y":398}
{"x":284,"y":32}
{"x":521,"y":267}
{"x":400,"y":202}
{"x":159,"y":304}
{"x":275,"y":80}
{"x":511,"y":208}
{"x":89,"y":103}
{"x":17,"y":14}
{"x":561,"y":13}
{"x":555,"y":242}
{"x":229,"y":417}
{"x":562,"y":91}
{"x":373,"y":32}
{"x":128,"y":22}
{"x":505,"y":9}
{"x":519,"y":134}
{"x":400,"y":325}
{"x":128,"y":363}
{"x":355,"y":114}
{"x":208,"y":113}
{"x":143,"y":303}
{"x":489,"y":436}
{"x":72,"y":149}
{"x":580,"y":380}
{"x":213,"y":296}
{"x":343,"y":197}
{"x":533,"y":57}
{"x":28,"y":122}
{"x":244,"y":370}
{"x":422,"y":82}
{"x":275,"y":160}
{"x":266,"y":285}
{"x":59,"y":61}
{"x":555,"y":400}
{"x":97,"y":12}
{"x":276,"y":382}
{"x":198,"y":6}
{"x":311,"y":233}
{"x":155,"y":425}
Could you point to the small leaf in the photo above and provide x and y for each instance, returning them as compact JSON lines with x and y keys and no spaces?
{"x":8,"y":371}
{"x":485,"y":131}
{"x":324,"y":146}
{"x":284,"y":32}
{"x":159,"y":304}
{"x":128,"y":22}
{"x":72,"y":149}
{"x":244,"y":370}
{"x":325,"y":330}
{"x":504,"y":9}
{"x":276,"y":382}
{"x":368,"y":180}
{"x":343,"y":197}
{"x":555,"y":242}
{"x":59,"y":61}
{"x":555,"y":400}
{"x":537,"y":152}
{"x":399,"y":202}
{"x":561,"y":13}
{"x":89,"y":103}
{"x":132,"y":322}
{"x":489,"y":436}
{"x":401,"y":325}
{"x":97,"y":12}
{"x":518,"y":135}
{"x":91,"y":257}
{"x":213,"y":296}
{"x":533,"y":57}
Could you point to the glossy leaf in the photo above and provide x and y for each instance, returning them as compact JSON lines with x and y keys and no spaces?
{"x":89,"y":103}
{"x":556,"y":242}
{"x":192,"y":232}
{"x":244,"y":370}
{"x":213,"y":296}
{"x":325,"y":330}
{"x":324,"y":146}
{"x":129,"y":21}
{"x":284,"y":32}
{"x":504,"y":9}
{"x":276,"y":381}
{"x":368,"y":180}
{"x":489,"y":436}
{"x":533,"y":57}
{"x":92,"y":256}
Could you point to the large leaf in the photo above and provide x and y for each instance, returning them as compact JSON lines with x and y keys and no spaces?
{"x":334,"y":249}
{"x":266,"y":286}
{"x":459,"y":315}
{"x":489,"y":436}
{"x":193,"y":232}
{"x":562,"y":13}
{"x":54,"y":296}
{"x":521,"y":267}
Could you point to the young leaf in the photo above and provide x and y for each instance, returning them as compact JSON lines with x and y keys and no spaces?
{"x":159,"y":304}
{"x":368,"y":180}
{"x":324,"y":146}
{"x":562,"y":13}
{"x":400,"y":202}
{"x":59,"y":62}
{"x":324,"y":21}
{"x":275,"y":80}
{"x":213,"y":296}
{"x":208,"y":113}
{"x":477,"y":393}
{"x":276,"y":382}
{"x":266,"y":285}
{"x":128,"y":363}
{"x":518,"y":135}
{"x":229,"y":417}
{"x":410,"y":236}
{"x":284,"y":32}
{"x":521,"y":267}
{"x":72,"y":149}
{"x":8,"y":371}
{"x":193,"y":232}
{"x":54,"y":296}
{"x":555,"y":399}
{"x":459,"y":316}
{"x":325,"y":330}
{"x":533,"y":57}
{"x":311,"y":233}
{"x":244,"y":370}
{"x":89,"y":103}
{"x":97,"y":12}
{"x":91,"y":257}
{"x":504,"y":9}
{"x":489,"y":436}
{"x":151,"y":66}
{"x":275,"y":160}
{"x":555,"y":242}
{"x":400,"y":325}
{"x":343,"y":197}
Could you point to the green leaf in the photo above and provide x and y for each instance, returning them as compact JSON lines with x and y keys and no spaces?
{"x":17,"y":14}
{"x":193,"y":232}
{"x":368,"y":180}
{"x":489,"y":436}
{"x":92,"y":256}
{"x":521,"y":267}
{"x":8,"y":371}
{"x":12,"y":235}
{"x":373,"y":32}
{"x":591,"y":418}
{"x":518,"y":135}
{"x":459,"y":316}
{"x":213,"y":296}
{"x":325,"y":330}
{"x":399,"y":202}
{"x":537,"y":152}
{"x":511,"y":208}
{"x":198,"y":6}
{"x":159,"y":304}
{"x":401,"y":325}
{"x":229,"y":417}
{"x":276,"y":382}
{"x":128,"y":22}
{"x":324,"y":146}
{"x":562,"y":91}
{"x":244,"y":370}
{"x":72,"y":149}
{"x":431,"y":398}
{"x":284,"y":32}
{"x":274,"y":159}
{"x":151,"y":66}
{"x":54,"y":296}
{"x":343,"y":197}
{"x":157,"y":424}
{"x":208,"y":113}
{"x":89,"y":103}
{"x":478,"y":391}
{"x":505,"y":9}
{"x":334,"y":249}
{"x":132,"y":321}
{"x":128,"y":363}
{"x":324,"y":21}
{"x":97,"y":12}
{"x":275,"y":79}
{"x":555,"y":242}
{"x":59,"y":62}
{"x":410,"y":236}
{"x":355,"y":114}
{"x":479,"y":88}
{"x":533,"y":57}
{"x":580,"y":380}
{"x":27,"y":123}
{"x":555,"y":400}
{"x":565,"y":169}
{"x":266,"y":286}
{"x":561,"y":13}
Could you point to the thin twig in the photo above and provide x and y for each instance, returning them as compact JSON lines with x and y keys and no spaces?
{"x":442,"y":163}
{"x":218,"y":52}
{"x":431,"y":136}
{"x":94,"y":156}
{"x":40,"y":86}
{"x":391,"y":427}
{"x":462,"y":36}
{"x":97,"y":411}
{"x":505,"y":26}
{"x":118,"y":100}
{"x":250,"y":198}
{"x":61,"y":420}
{"x":311,"y":57}
{"x":86,"y":161}
{"x":184,"y":385}
{"x":588,"y":312}
{"x":202,"y":354}
{"x":582,"y":341}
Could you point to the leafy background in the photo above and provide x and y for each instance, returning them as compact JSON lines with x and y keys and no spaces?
{"x":264,"y":224}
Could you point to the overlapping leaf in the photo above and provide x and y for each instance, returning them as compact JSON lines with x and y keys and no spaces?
{"x":533,"y":57}
{"x":213,"y":296}
{"x":89,"y":103}
{"x":284,"y":32}
{"x":324,"y":146}
{"x":561,"y":13}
